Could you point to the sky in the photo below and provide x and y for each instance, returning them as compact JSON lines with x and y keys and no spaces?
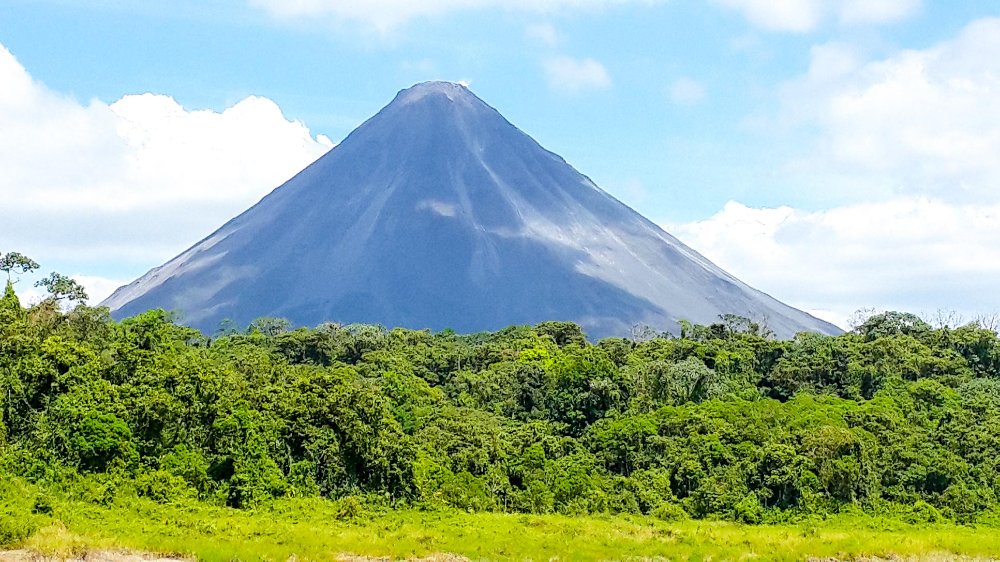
{"x":836,"y":154}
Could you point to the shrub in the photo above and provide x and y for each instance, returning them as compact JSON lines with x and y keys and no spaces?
{"x":923,"y":512}
{"x":43,"y":505}
{"x":97,"y":440}
{"x":255,"y":479}
{"x":188,"y":464}
{"x":19,"y":517}
{"x":964,"y":503}
{"x":668,"y":511}
{"x":465,"y":491}
{"x":164,"y":487}
{"x":302,"y":479}
{"x":350,"y":508}
{"x":749,"y":510}
{"x":15,"y":529}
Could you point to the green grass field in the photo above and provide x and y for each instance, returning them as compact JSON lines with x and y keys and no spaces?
{"x":312,"y":529}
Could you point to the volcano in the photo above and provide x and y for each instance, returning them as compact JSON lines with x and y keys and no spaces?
{"x":438,"y":213}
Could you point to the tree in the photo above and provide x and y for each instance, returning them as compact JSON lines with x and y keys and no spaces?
{"x":61,"y":287}
{"x":642,"y":332}
{"x":15,"y":262}
{"x":989,"y":322}
{"x":270,"y":326}
{"x":677,"y":382}
{"x":563,"y":333}
{"x":9,"y":301}
{"x":893,"y":323}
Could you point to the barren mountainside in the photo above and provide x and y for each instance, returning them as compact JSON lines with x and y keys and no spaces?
{"x":438,"y":213}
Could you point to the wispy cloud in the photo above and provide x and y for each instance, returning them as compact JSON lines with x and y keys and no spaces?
{"x":544,"y":33}
{"x":686,"y":91}
{"x":869,"y":11}
{"x":575,"y":75}
{"x":806,"y":15}
{"x":385,"y":15}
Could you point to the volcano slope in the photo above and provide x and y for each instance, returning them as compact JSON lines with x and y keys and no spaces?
{"x":438,"y":213}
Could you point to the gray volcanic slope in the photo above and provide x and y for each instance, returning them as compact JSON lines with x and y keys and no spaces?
{"x":438,"y":213}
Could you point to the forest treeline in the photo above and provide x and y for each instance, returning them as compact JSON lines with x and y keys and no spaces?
{"x":721,"y":422}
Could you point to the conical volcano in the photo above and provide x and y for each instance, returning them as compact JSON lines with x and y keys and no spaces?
{"x":438,"y":213}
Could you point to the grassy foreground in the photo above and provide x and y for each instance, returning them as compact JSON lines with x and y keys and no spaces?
{"x":313,"y":529}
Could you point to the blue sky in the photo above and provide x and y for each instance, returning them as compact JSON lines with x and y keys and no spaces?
{"x":837,"y":154}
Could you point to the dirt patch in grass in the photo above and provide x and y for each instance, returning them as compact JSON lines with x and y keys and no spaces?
{"x":942,"y":557}
{"x":95,"y":556}
{"x":25,"y":555}
{"x":436,"y":557}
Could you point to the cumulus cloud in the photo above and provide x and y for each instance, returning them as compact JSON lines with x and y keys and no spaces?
{"x":575,"y":75}
{"x":806,"y":15}
{"x":913,"y":253}
{"x":920,"y":122}
{"x":908,"y":144}
{"x":98,"y":288}
{"x":136,"y":180}
{"x":385,"y":15}
{"x":686,"y":91}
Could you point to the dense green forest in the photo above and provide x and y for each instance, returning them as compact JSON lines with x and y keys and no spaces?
{"x":721,"y":422}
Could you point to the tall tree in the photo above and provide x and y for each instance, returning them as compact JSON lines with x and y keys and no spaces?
{"x":61,"y":287}
{"x":14,"y":263}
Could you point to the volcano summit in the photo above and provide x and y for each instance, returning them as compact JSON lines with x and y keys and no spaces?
{"x":438,"y":213}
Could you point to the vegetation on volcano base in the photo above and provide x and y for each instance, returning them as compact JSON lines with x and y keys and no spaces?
{"x":894,"y":421}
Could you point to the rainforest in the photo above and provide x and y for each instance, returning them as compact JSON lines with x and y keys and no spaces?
{"x":721,"y":427}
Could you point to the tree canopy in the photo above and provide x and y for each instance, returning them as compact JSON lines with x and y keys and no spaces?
{"x":724,"y":422}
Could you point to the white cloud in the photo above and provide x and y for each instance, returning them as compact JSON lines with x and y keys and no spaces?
{"x":544,"y":33}
{"x":137,"y":180}
{"x":385,"y":15}
{"x":876,"y":11}
{"x":801,"y":16}
{"x":917,"y":254}
{"x":919,"y":122}
{"x":98,"y":288}
{"x":686,"y":91}
{"x":574,"y":75}
{"x":788,"y":15}
{"x":779,"y":15}
{"x":908,"y":146}
{"x":29,"y":295}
